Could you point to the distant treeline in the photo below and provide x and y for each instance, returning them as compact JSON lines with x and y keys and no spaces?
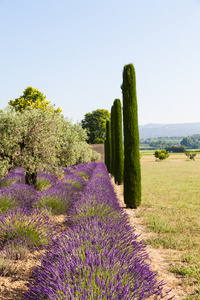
{"x":172,"y":144}
{"x":159,"y":142}
{"x":191,"y":142}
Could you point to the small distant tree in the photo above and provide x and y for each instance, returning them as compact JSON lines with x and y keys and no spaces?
{"x":190,"y":155}
{"x":95,"y":123}
{"x":161,"y":154}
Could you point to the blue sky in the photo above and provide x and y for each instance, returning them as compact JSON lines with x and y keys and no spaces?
{"x":74,"y":52}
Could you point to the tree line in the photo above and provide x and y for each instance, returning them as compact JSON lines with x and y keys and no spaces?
{"x":172,"y":144}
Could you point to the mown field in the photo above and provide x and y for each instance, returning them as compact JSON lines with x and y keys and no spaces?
{"x":170,"y":208}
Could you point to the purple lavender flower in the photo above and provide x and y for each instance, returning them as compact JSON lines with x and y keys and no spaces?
{"x":99,"y":257}
{"x":15,"y":176}
{"x":20,"y":227}
{"x":58,"y":198}
{"x":84,"y":169}
{"x":76,"y":180}
{"x":17,"y":195}
{"x":44,"y":180}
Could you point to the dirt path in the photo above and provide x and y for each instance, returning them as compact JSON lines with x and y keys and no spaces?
{"x":159,"y":259}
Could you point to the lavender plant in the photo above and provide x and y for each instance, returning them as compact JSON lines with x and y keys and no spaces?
{"x":99,"y":257}
{"x":75,"y":180}
{"x":33,"y":230}
{"x":81,"y":265}
{"x":45,"y":180}
{"x":58,"y":198}
{"x":17,"y":195}
{"x":85,"y":170}
{"x":15,"y":176}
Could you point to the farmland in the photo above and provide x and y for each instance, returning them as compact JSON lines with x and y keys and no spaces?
{"x":92,"y":253}
{"x":170,"y":209}
{"x":168,"y":216}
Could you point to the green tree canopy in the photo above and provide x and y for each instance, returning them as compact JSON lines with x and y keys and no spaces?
{"x":161,"y":154}
{"x":192,"y":142}
{"x":33,"y":98}
{"x":28,"y":139}
{"x":95,"y":123}
{"x":36,"y":140}
{"x":186,"y":141}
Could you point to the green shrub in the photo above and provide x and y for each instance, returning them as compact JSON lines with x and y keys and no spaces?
{"x":190,"y":155}
{"x":161,"y":154}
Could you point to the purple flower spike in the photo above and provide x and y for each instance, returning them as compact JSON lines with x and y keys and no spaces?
{"x":18,"y":195}
{"x":20,"y":227}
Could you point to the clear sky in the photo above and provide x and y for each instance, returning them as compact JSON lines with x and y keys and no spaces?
{"x":74,"y":52}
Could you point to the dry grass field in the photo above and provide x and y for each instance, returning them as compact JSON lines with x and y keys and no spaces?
{"x":170,"y":215}
{"x":171,"y":211}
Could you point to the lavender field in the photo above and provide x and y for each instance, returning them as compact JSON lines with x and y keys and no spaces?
{"x":94,"y":255}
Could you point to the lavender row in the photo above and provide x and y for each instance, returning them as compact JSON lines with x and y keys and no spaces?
{"x":57,"y":196}
{"x":99,"y":257}
{"x":23,"y":221}
{"x":47,"y":178}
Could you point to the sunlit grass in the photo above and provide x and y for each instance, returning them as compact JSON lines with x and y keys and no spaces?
{"x":6,"y":204}
{"x":170,"y":208}
{"x":53,"y":205}
{"x":42,"y":184}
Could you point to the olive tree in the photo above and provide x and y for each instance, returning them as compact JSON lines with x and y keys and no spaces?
{"x":28,"y":140}
{"x":36,"y":140}
{"x":9,"y":140}
{"x":73,"y":148}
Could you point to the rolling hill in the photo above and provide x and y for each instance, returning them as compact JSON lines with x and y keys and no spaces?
{"x":168,"y":130}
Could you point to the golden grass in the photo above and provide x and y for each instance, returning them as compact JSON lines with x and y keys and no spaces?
{"x":171,"y":209}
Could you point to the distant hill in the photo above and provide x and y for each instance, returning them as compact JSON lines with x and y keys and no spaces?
{"x":164,"y":130}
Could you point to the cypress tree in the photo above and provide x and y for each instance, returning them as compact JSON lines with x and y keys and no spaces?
{"x":119,"y":152}
{"x":108,"y":146}
{"x":105,"y":152}
{"x":132,"y":172}
{"x":112,"y":140}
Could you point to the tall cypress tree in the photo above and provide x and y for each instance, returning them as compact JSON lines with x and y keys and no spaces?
{"x":119,"y":151}
{"x":132,"y":171}
{"x":105,"y":152}
{"x":113,"y":140}
{"x":108,"y":146}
